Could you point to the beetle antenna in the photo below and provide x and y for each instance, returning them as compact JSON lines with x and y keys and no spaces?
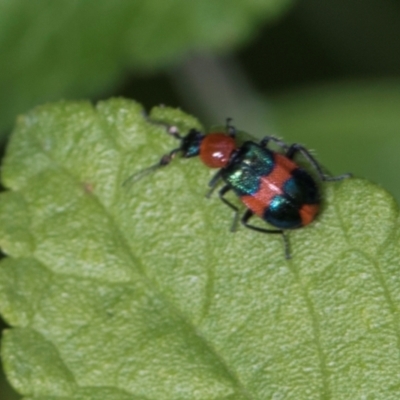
{"x":173,"y":131}
{"x":164,"y":161}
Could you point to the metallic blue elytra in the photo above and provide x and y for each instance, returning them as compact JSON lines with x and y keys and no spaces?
{"x":302,"y":188}
{"x":247,"y":166}
{"x":272,"y":186}
{"x":282,"y":213}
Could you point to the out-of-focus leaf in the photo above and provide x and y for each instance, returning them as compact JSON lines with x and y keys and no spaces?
{"x":50,"y":50}
{"x":355,"y":127}
{"x":7,"y":393}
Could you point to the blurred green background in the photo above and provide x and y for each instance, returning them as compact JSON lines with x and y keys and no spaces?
{"x":322,"y":73}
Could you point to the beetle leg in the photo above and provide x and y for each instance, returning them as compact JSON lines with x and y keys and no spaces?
{"x":264,"y":142}
{"x":298,"y":148}
{"x":245,"y":218}
{"x":222,"y":193}
{"x":213,"y":183}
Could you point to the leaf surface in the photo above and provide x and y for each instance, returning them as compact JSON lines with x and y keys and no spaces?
{"x":143,"y":293}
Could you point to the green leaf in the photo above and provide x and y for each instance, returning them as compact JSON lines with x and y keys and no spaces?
{"x":53,"y":49}
{"x":143,"y":293}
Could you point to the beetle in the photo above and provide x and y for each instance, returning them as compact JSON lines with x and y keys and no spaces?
{"x":269,"y":183}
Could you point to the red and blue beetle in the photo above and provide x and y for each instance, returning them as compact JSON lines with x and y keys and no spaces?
{"x":269,"y":183}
